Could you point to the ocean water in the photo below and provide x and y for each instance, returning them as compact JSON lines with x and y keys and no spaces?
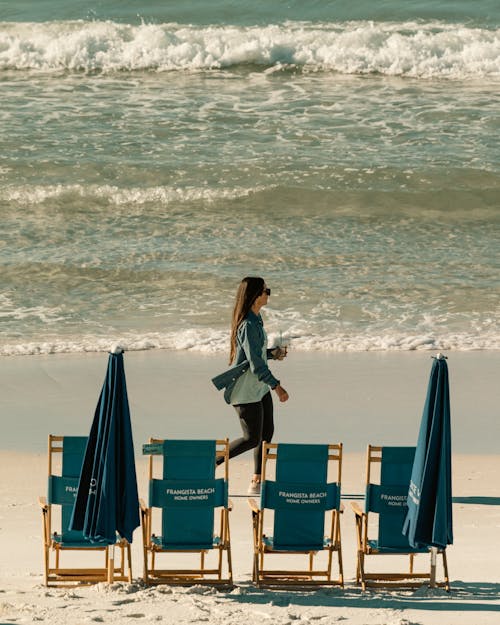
{"x":154,"y":153}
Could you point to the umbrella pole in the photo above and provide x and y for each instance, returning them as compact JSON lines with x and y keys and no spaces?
{"x":111,"y":564}
{"x":432,"y":581}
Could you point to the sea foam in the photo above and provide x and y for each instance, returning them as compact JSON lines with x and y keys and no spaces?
{"x":212,"y":341}
{"x":112,"y":194}
{"x":414,"y":49}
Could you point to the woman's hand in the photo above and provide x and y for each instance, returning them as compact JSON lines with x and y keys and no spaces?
{"x":282,"y":394}
{"x":279,"y":353}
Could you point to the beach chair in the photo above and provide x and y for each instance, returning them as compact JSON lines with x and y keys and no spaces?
{"x":300,"y":499}
{"x":386,"y":496}
{"x":65,"y":457}
{"x":182,"y":486}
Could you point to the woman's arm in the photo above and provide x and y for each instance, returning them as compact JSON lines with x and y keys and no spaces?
{"x":251,"y":340}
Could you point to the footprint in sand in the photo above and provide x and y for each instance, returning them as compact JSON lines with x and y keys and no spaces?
{"x":122,"y":601}
{"x":6,"y":607}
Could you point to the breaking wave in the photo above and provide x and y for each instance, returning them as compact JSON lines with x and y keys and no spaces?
{"x":413,"y":49}
{"x":114,"y":195}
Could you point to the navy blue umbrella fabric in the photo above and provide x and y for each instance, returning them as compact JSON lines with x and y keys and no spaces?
{"x":429,"y":520}
{"x":107,"y":501}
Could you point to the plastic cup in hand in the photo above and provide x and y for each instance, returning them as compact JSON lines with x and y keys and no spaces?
{"x":284,"y":345}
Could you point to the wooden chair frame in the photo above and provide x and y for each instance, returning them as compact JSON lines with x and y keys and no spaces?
{"x":204,"y":575}
{"x":409,"y":579}
{"x":54,"y":574}
{"x":309,"y":576}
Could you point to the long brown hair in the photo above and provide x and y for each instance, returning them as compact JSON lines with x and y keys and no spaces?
{"x":249,"y":290}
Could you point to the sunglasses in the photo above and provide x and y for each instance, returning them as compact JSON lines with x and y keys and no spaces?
{"x":266,"y":291}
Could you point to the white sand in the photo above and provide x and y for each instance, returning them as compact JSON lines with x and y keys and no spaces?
{"x":356,"y":398}
{"x":58,"y":395}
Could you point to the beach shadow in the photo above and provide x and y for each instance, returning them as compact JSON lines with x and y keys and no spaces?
{"x":464,"y":597}
{"x":482,"y":501}
{"x":474,"y":500}
{"x":480,"y":590}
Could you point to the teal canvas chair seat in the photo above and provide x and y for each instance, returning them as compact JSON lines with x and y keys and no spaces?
{"x":188,"y":498}
{"x":386,"y":497}
{"x":158,"y":541}
{"x":63,"y":482}
{"x":270,"y":544}
{"x":74,"y":544}
{"x":376,"y":547}
{"x":299,"y":513}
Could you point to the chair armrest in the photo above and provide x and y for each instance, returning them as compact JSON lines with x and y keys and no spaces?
{"x":42,"y":502}
{"x":341,"y":508}
{"x":356,"y":509}
{"x":229,"y":505}
{"x":142,"y":505}
{"x":253,"y":505}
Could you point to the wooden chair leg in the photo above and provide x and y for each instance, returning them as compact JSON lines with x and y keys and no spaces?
{"x":122,"y":559}
{"x":341,"y":566}
{"x":362,"y":570}
{"x":129,"y":557}
{"x":256,"y":570}
{"x":111,"y":563}
{"x":227,"y":541}
{"x":329,"y":565}
{"x":46,"y":565}
{"x":221,"y":549}
{"x":145,"y":571}
{"x":445,"y":568}
{"x":230,"y":564}
{"x":338,"y":544}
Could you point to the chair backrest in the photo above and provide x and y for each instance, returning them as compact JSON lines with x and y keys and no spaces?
{"x":300,"y":494}
{"x":188,"y":492}
{"x":388,"y":498}
{"x":62,"y":488}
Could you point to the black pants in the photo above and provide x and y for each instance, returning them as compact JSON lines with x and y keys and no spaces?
{"x":257,"y":423}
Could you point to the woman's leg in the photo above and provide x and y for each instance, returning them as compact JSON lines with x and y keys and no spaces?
{"x":266,"y":433}
{"x":251,"y":417}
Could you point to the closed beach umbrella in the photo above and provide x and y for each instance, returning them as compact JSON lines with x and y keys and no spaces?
{"x":107,"y":501}
{"x":429,"y":519}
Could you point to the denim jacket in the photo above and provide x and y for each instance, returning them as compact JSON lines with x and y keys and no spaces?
{"x":249,"y":345}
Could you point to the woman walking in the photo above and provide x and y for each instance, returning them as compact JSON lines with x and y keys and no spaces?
{"x":249,"y":390}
